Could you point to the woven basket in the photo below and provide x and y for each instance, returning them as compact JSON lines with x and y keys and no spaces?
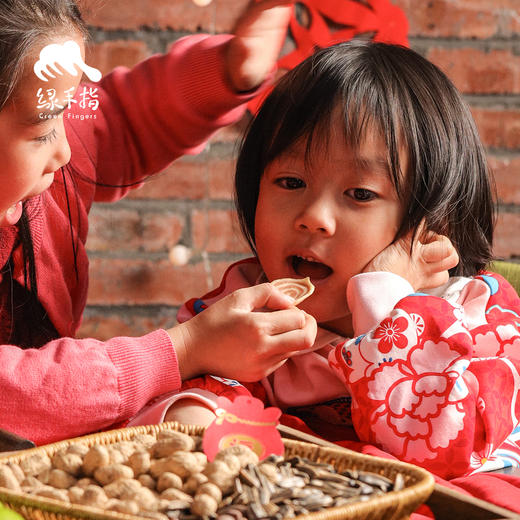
{"x":396,"y":505}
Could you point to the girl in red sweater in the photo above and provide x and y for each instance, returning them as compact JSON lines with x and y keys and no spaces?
{"x":56,"y":162}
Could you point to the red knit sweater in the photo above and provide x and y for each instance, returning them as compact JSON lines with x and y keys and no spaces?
{"x":165,"y":107}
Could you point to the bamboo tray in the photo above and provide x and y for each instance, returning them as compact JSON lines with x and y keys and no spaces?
{"x":397,"y":505}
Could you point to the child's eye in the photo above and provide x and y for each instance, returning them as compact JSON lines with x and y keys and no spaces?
{"x":290,"y":183}
{"x":47,"y":138}
{"x":361,"y":194}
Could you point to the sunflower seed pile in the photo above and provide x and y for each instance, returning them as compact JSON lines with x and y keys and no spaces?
{"x":278,"y":488}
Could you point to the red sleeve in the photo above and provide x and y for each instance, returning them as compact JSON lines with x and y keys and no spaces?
{"x":72,"y":387}
{"x":437,"y":383}
{"x":166,"y":106}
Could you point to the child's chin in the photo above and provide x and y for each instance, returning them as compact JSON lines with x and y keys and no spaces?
{"x":340,"y":324}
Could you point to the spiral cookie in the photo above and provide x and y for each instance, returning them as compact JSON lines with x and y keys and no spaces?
{"x":296,"y":288}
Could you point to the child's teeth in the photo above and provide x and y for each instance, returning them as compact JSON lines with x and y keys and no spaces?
{"x":306,"y":258}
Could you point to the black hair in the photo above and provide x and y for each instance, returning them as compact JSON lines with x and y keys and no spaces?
{"x":23,"y":25}
{"x":413,"y":105}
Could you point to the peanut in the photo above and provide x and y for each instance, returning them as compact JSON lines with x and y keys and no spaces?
{"x":78,"y":448}
{"x":94,"y":496}
{"x":175,"y":441}
{"x":146,"y":499}
{"x":193,"y":482}
{"x":95,"y":458}
{"x":208,"y":488}
{"x":123,"y":488}
{"x":60,"y":479}
{"x":139,"y":461}
{"x":107,"y":474}
{"x":147,"y":480}
{"x":69,"y":462}
{"x":245,"y":455}
{"x":168,"y":480}
{"x":76,"y":494}
{"x":204,"y":505}
{"x":176,"y":494}
{"x":184,"y":463}
{"x":35,"y":464}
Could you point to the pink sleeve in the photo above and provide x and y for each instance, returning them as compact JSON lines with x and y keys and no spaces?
{"x":72,"y":387}
{"x":368,"y":303}
{"x":437,"y":382}
{"x":204,"y":389}
{"x":166,"y":106}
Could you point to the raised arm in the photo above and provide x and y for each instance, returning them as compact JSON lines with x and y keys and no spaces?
{"x":169,"y":105}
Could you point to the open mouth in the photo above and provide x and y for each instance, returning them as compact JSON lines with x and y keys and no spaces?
{"x":310,"y":267}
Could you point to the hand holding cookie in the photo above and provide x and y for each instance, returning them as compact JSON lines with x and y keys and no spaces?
{"x":260,"y":323}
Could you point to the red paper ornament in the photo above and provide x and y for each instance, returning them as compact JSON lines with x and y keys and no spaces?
{"x":244,"y":421}
{"x":334,"y":21}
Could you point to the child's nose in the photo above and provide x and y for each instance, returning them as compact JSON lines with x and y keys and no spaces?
{"x":61,"y":155}
{"x":317,"y":218}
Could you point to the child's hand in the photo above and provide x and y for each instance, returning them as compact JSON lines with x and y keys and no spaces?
{"x":233,"y":338}
{"x":259,"y":36}
{"x":425,"y":266}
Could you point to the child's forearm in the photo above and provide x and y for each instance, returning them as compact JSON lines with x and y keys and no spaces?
{"x":190,"y":411}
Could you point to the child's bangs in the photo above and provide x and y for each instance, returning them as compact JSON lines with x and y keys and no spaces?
{"x":368,"y":110}
{"x":321,"y":98}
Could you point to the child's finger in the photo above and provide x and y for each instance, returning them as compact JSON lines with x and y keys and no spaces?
{"x":282,"y":345}
{"x":278,"y":322}
{"x":261,"y":296}
{"x":438,"y":250}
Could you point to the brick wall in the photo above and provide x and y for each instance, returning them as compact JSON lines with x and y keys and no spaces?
{"x":134,"y":288}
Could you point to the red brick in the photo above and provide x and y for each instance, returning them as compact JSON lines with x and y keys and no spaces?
{"x":141,"y":282}
{"x":186,"y":178}
{"x":104,"y":325}
{"x":479,"y":72}
{"x":462,"y":19}
{"x":499,"y":128}
{"x":507,"y":237}
{"x":127,"y":230}
{"x":217,"y":231}
{"x":507,"y":177}
{"x":221,"y":178}
{"x":133,"y":14}
{"x":110,"y":54}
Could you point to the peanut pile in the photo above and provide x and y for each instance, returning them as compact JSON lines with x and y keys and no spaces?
{"x":146,"y":476}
